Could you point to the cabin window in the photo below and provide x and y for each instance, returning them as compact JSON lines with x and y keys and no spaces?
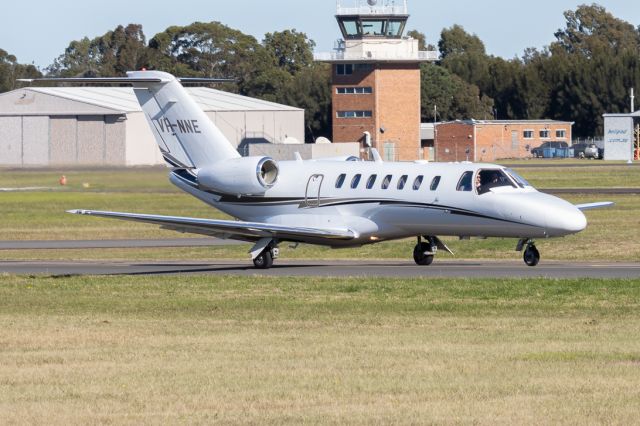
{"x":402,"y":181}
{"x":386,"y":182}
{"x":435,"y":182}
{"x":371,"y":181}
{"x":488,"y":179}
{"x":355,"y":181}
{"x":464,"y":184}
{"x":340,"y":180}
{"x":417,"y":183}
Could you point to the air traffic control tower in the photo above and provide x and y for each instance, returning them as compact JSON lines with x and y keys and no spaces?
{"x":376,"y":79}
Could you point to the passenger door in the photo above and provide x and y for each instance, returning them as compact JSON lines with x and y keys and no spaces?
{"x":312,"y":195}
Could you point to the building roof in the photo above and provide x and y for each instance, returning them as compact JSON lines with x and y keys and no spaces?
{"x":121,"y":100}
{"x":633,"y":114}
{"x":503,"y":122}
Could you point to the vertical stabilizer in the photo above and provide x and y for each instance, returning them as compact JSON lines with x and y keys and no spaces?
{"x":185,"y":135}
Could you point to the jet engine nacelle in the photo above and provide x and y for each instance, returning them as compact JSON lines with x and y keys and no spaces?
{"x":246,"y":176}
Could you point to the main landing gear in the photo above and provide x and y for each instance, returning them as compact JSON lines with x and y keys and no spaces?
{"x":425,"y":252}
{"x":531,"y":254}
{"x":264,"y":253}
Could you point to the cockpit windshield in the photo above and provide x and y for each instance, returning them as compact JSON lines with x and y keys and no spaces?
{"x":489,"y":179}
{"x":522,"y":182}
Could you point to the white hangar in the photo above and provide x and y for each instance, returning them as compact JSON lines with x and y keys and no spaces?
{"x":104,"y":126}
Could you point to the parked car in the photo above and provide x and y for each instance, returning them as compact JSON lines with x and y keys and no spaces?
{"x":538,"y":152}
{"x":591,"y":152}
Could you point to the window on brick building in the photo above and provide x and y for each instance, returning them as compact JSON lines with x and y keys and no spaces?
{"x":354,"y":114}
{"x":527,"y":134}
{"x":344,"y":69}
{"x":544,"y":134}
{"x":561,"y":134}
{"x":354,"y":90}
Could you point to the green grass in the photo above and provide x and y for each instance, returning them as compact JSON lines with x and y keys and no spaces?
{"x":233,"y":350}
{"x":582,"y":177}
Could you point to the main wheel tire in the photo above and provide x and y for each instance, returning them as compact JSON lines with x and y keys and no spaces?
{"x":419,"y":257}
{"x":264,"y":260}
{"x":531,"y":256}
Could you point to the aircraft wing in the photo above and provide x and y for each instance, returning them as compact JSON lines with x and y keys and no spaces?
{"x":592,"y":206}
{"x":227,"y":229}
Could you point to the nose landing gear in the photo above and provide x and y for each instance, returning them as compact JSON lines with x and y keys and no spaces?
{"x":424,"y":252}
{"x":531,"y":254}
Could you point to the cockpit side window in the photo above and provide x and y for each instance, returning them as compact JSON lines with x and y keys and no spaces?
{"x":464,"y":184}
{"x":522,"y":182}
{"x":488,"y":179}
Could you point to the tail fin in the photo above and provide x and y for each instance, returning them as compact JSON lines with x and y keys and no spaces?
{"x":185,"y":135}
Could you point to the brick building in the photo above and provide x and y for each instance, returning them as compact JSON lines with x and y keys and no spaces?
{"x":488,"y":141}
{"x":376,"y":80}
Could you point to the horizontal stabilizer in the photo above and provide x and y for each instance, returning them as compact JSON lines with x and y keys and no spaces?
{"x":124,"y":80}
{"x":591,"y":206}
{"x":245,"y":231}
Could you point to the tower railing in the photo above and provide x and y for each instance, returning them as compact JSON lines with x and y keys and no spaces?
{"x":373,"y":56}
{"x":382,"y":7}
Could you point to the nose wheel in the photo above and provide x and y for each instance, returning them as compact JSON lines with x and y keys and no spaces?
{"x":422,"y":254}
{"x":531,"y":254}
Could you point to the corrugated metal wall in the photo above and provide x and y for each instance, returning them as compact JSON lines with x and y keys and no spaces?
{"x":62,"y":140}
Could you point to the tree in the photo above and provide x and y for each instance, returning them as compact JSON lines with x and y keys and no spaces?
{"x":311,"y":89}
{"x":422,"y":39}
{"x":454,"y":98}
{"x":591,"y":30}
{"x":11,"y":70}
{"x":291,"y":50}
{"x":464,"y":55}
{"x":112,"y":54}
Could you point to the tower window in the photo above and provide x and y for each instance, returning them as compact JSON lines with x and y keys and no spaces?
{"x":354,"y":90}
{"x":354,"y":114}
{"x":344,"y":69}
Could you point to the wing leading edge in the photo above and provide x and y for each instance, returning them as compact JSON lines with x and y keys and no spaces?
{"x":227,"y":229}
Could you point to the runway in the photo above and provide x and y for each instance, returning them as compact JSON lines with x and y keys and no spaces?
{"x":306,"y":268}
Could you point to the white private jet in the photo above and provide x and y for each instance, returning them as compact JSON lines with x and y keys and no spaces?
{"x":330,"y":202}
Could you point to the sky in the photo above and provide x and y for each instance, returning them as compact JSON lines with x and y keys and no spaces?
{"x":38,"y":31}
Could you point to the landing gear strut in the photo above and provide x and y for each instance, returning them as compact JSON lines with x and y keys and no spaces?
{"x":531,"y":254}
{"x":264,"y":253}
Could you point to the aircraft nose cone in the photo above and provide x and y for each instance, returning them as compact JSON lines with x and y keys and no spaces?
{"x":565,"y":220}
